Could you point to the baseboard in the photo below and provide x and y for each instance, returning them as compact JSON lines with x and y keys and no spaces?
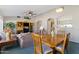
{"x":74,"y":41}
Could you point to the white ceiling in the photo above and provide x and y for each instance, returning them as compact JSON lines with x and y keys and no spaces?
{"x":18,"y":10}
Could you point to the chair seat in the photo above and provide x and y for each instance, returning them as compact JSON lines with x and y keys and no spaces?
{"x":46,"y":49}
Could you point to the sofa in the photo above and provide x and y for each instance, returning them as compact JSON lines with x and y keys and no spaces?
{"x":2,"y":36}
{"x":25,"y":40}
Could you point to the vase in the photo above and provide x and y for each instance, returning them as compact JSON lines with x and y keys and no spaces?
{"x":8,"y":36}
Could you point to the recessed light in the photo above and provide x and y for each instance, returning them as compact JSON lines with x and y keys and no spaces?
{"x":59,"y":10}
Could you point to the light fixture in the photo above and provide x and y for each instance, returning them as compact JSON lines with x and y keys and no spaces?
{"x":29,"y":13}
{"x":59,"y":10}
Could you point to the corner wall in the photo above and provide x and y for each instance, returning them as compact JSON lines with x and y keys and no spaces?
{"x":1,"y":24}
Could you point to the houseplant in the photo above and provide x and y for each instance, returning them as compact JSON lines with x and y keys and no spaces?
{"x":10,"y":25}
{"x":26,"y":17}
{"x":8,"y":29}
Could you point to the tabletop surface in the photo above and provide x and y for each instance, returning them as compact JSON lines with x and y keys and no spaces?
{"x":53,"y":41}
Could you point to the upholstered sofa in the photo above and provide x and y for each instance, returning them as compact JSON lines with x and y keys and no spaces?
{"x":2,"y":36}
{"x":25,"y":40}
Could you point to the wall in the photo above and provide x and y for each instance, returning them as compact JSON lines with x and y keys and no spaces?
{"x":73,"y":12}
{"x":9,"y":19}
{"x":1,"y":24}
{"x":44,"y":17}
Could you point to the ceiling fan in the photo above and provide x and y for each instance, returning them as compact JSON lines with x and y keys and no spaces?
{"x":29,"y":13}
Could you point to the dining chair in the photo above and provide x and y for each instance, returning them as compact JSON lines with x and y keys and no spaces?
{"x":47,"y":38}
{"x":67,"y":43}
{"x":61,"y":47}
{"x":40,"y":48}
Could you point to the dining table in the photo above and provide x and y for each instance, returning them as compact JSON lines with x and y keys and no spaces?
{"x":52,"y":42}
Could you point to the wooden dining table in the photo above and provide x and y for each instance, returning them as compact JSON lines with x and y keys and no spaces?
{"x":53,"y":42}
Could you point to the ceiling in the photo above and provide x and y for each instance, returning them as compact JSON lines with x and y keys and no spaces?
{"x":18,"y":10}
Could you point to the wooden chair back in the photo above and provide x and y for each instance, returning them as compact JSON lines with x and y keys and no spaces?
{"x":37,"y":43}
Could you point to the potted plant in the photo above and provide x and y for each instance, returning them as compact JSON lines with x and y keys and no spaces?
{"x":10,"y":25}
{"x":8,"y":29}
{"x":26,"y":17}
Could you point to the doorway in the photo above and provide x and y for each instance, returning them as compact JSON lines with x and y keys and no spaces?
{"x":50,"y":25}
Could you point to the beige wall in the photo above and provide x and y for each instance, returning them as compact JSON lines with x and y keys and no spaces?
{"x":44,"y":17}
{"x":73,"y":13}
{"x":1,"y":24}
